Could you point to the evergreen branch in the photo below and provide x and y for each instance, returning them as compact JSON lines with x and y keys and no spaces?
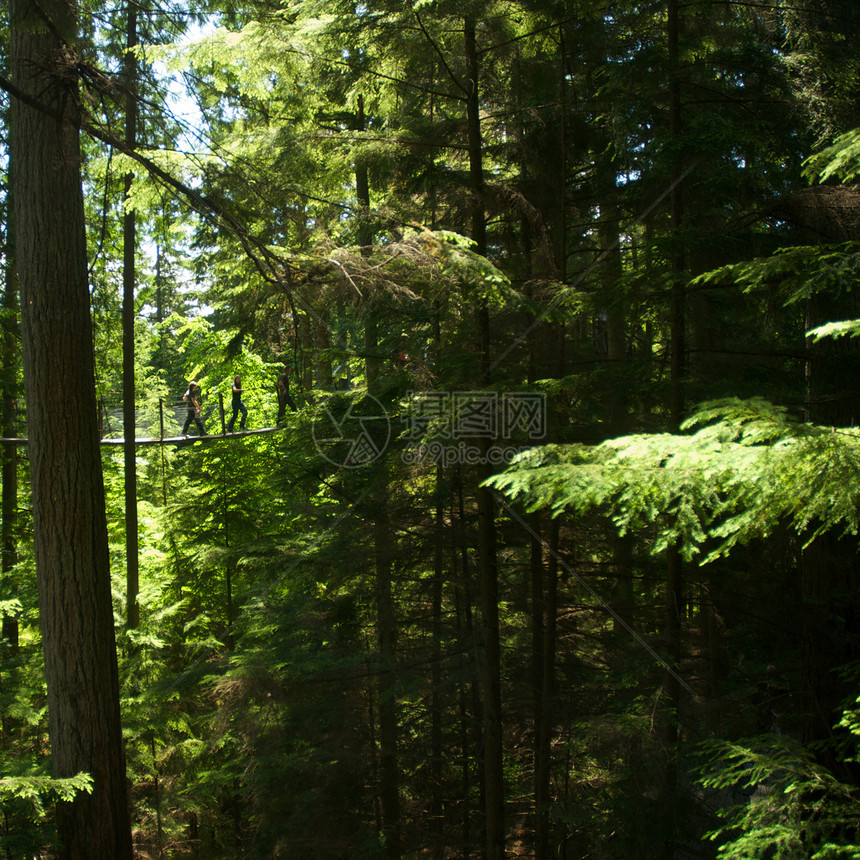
{"x":850,"y":328}
{"x":441,"y":54}
{"x":747,"y":468}
{"x":408,"y":84}
{"x":267,"y":264}
{"x":205,"y":206}
{"x":189,"y":671}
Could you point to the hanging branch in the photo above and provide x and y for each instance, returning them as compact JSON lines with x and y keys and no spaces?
{"x":268,"y":265}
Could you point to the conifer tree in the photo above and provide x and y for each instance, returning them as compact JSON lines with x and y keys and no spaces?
{"x":73,"y":571}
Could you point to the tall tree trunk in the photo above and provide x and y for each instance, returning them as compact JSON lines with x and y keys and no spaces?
{"x":436,"y":823}
{"x":547,"y":709}
{"x":323,"y":362}
{"x":614,"y":305}
{"x":362,"y":189}
{"x":538,"y":601}
{"x":609,"y":264}
{"x":617,"y":397}
{"x":9,"y":453}
{"x":230,"y":566}
{"x":546,"y":712}
{"x":471,"y":725}
{"x":365,"y":238}
{"x":436,"y":761}
{"x":831,"y":605}
{"x":487,"y":561}
{"x":383,"y":542}
{"x":307,"y":339}
{"x":385,"y":626}
{"x":389,"y":774}
{"x":538,"y":636}
{"x":128,"y":285}
{"x":69,"y":523}
{"x":675,"y":605}
{"x":678,"y":296}
{"x":473,"y":123}
{"x":543,"y":739}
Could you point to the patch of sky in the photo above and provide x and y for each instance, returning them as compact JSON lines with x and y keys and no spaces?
{"x":183,"y":106}
{"x":185,"y":110}
{"x":627,"y":177}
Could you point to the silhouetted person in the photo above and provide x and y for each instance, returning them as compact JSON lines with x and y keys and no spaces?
{"x":283,"y":386}
{"x":192,"y":399}
{"x":238,"y":405}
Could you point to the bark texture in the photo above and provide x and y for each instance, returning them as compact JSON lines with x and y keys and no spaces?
{"x":70,"y":531}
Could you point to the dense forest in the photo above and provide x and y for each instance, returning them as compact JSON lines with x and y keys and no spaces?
{"x":537,"y":532}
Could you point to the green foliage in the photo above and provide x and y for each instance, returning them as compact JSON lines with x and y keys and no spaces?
{"x":849,"y":328}
{"x":11,"y":607}
{"x":840,"y":160}
{"x":251,"y":688}
{"x":790,"y":806}
{"x":459,"y":262}
{"x":26,"y":803}
{"x":37,"y":790}
{"x":796,"y":273}
{"x":748,"y":468}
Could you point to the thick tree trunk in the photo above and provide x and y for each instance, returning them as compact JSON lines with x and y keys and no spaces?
{"x":69,"y":525}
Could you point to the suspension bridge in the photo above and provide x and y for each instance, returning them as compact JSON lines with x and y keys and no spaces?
{"x":158,"y":424}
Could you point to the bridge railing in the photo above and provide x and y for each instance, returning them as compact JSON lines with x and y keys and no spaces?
{"x":164,"y":418}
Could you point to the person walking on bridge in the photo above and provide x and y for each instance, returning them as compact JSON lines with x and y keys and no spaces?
{"x":238,"y":405}
{"x":192,"y":399}
{"x":284,"y":397}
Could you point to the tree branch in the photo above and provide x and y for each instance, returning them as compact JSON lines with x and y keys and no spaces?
{"x":266,"y":263}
